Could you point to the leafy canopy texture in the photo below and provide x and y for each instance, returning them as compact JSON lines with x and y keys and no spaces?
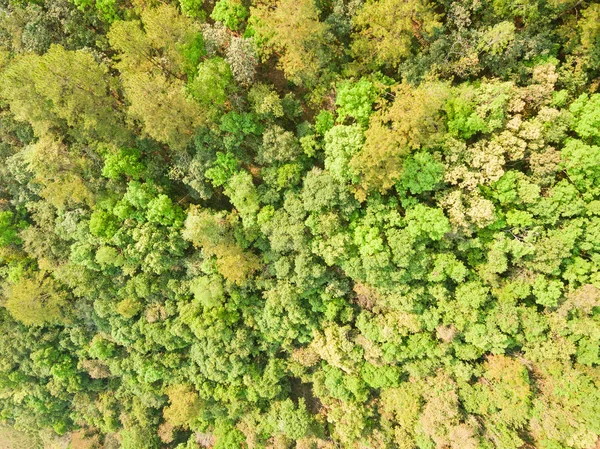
{"x":300,"y":224}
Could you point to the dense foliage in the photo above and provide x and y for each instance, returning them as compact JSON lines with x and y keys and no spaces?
{"x":300,"y":223}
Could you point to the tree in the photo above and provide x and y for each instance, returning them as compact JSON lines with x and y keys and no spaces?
{"x":230,"y":13}
{"x":202,"y":229}
{"x":321,"y":191}
{"x":244,"y":196}
{"x":284,"y":320}
{"x":278,"y":145}
{"x":123,"y":161}
{"x":341,"y":145}
{"x":241,"y":57}
{"x":68,"y":90}
{"x":159,"y":47}
{"x":293,"y":29}
{"x":503,"y":398}
{"x":590,"y":33}
{"x":153,"y":61}
{"x":212,"y":83}
{"x":36,"y":300}
{"x":9,"y":227}
{"x":294,"y":420}
{"x":138,"y":437}
{"x":411,"y":122}
{"x":568,"y":401}
{"x":355,"y":100}
{"x":163,"y":108}
{"x":421,"y":172}
{"x":185,"y":406}
{"x":423,"y":221}
{"x":386,"y":29}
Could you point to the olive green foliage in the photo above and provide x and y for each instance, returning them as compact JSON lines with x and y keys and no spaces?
{"x":35,"y":301}
{"x":293,"y":29}
{"x":301,"y":224}
{"x":387,"y":29}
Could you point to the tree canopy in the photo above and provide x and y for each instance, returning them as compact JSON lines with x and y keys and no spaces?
{"x":277,"y":224}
